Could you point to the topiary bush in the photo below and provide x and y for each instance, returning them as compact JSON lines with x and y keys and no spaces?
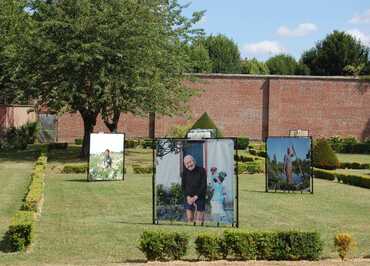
{"x":242,"y":143}
{"x":20,"y":232}
{"x":324,"y":156}
{"x":158,"y":245}
{"x":205,"y":122}
{"x":75,"y":168}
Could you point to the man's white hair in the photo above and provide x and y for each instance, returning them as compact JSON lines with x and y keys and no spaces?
{"x":190,"y":157}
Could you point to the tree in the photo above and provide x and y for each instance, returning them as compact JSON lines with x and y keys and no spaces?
{"x":14,"y":23}
{"x":338,"y":54}
{"x":282,"y":65}
{"x":107,"y":57}
{"x":224,"y":54}
{"x":205,"y":122}
{"x":254,"y":66}
{"x":199,"y":58}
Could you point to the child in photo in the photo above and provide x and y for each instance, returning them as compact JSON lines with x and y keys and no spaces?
{"x":218,"y":198}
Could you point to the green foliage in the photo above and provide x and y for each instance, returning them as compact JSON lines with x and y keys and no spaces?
{"x":243,"y":158}
{"x":282,"y":65}
{"x":21,"y":229}
{"x":158,"y":245}
{"x":131,"y":143}
{"x":334,"y":54}
{"x":211,"y":246}
{"x":254,"y":66}
{"x":199,"y":58}
{"x":57,"y":146}
{"x":324,"y":174}
{"x":35,"y":192}
{"x":354,"y":180}
{"x":179,"y":131}
{"x":242,"y":143}
{"x":343,"y":243}
{"x":78,"y":141}
{"x":349,"y":145}
{"x":224,"y":54}
{"x":107,"y":57}
{"x":17,"y":138}
{"x":75,"y":168}
{"x":148,"y":143}
{"x":205,"y":122}
{"x":324,"y":156}
{"x":250,"y":167}
{"x":291,"y":245}
{"x":139,"y":169}
{"x":354,"y":165}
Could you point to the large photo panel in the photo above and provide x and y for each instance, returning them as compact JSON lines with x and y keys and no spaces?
{"x":106,"y":159}
{"x":195,"y":181}
{"x":288,"y":164}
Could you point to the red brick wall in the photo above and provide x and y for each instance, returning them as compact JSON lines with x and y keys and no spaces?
{"x":324,"y":107}
{"x":256,"y":106}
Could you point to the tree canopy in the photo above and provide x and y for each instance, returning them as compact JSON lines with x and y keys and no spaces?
{"x":108,"y":56}
{"x":338,"y":54}
{"x":253,"y":66}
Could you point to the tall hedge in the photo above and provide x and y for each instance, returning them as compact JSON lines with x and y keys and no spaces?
{"x":205,"y":122}
{"x":324,"y":156}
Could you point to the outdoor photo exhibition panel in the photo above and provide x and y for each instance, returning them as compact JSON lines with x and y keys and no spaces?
{"x":195,"y":181}
{"x":289,"y":164}
{"x":106,"y":158}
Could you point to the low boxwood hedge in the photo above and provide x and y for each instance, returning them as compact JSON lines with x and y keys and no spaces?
{"x":354,"y":180}
{"x":158,"y":245}
{"x":75,"y":168}
{"x":324,"y":174}
{"x":354,"y":165}
{"x":138,"y":169}
{"x":20,"y":232}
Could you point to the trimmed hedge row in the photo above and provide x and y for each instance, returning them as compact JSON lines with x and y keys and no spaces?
{"x":258,"y":153}
{"x":354,"y":165}
{"x":21,"y":229}
{"x":243,"y":158}
{"x":75,"y":168}
{"x":235,"y":244}
{"x":349,"y":179}
{"x":250,"y":167}
{"x":138,"y":169}
{"x":157,"y":245}
{"x":349,"y":145}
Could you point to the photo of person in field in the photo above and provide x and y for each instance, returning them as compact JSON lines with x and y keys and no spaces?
{"x":106,"y":157}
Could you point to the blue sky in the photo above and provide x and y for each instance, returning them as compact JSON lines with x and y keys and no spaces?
{"x":263,"y":28}
{"x":279,"y":146}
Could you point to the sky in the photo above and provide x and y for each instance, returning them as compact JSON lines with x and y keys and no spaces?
{"x":279,"y":146}
{"x":264,"y":28}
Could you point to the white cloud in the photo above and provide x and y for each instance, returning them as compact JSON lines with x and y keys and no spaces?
{"x":301,"y":30}
{"x":359,"y":35}
{"x":361,"y":18}
{"x":263,"y":48}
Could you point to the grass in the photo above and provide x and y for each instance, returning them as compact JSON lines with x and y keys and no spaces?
{"x":359,"y":158}
{"x":100,"y":222}
{"x":14,"y":179}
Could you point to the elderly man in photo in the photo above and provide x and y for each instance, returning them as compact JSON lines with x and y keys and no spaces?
{"x":194,"y":186}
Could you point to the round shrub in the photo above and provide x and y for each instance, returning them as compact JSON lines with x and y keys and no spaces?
{"x":324,"y":156}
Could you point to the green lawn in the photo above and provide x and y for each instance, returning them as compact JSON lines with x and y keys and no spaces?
{"x":359,"y":158}
{"x":100,"y":222}
{"x":15,"y":171}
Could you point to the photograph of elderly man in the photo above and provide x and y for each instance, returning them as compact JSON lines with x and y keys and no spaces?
{"x":194,"y":187}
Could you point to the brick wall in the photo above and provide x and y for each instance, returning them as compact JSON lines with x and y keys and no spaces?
{"x":257,"y":106}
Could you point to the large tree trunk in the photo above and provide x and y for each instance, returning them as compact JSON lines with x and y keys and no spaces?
{"x":89,"y":119}
{"x":112,"y":124}
{"x":151,"y":125}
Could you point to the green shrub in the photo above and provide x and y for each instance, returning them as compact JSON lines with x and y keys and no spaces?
{"x":17,"y":138}
{"x":242,"y":143}
{"x":148,"y":143}
{"x":250,"y":167}
{"x":179,"y":131}
{"x":205,"y":122}
{"x":241,"y":244}
{"x":252,"y":151}
{"x":57,"y":146}
{"x":344,"y":243}
{"x":76,"y":168}
{"x":20,"y":232}
{"x":131,"y":143}
{"x":210,"y":246}
{"x":354,"y":165}
{"x":138,"y":169}
{"x":157,"y":245}
{"x":262,"y":154}
{"x":354,"y":180}
{"x":324,"y":174}
{"x":349,"y":145}
{"x":324,"y":156}
{"x":78,"y":141}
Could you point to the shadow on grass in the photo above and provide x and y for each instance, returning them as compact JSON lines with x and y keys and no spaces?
{"x":4,"y":245}
{"x":78,"y":180}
